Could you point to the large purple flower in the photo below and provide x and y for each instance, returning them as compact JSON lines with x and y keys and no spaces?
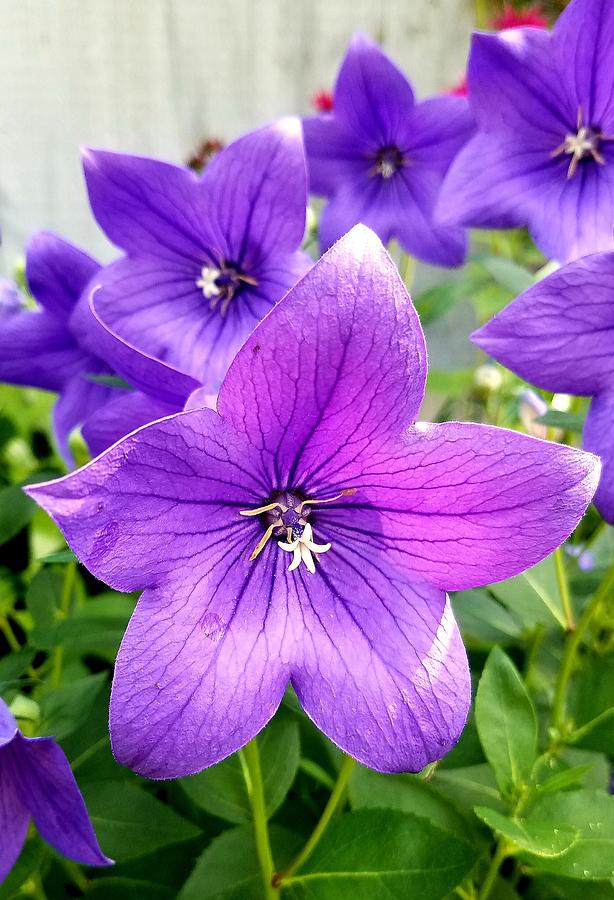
{"x":207,"y":256}
{"x":381,"y":157}
{"x":36,"y":782}
{"x":40,"y":348}
{"x":559,"y":335}
{"x":307,"y":532}
{"x":544,"y":154}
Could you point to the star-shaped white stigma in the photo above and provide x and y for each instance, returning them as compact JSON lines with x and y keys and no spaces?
{"x":302,"y":547}
{"x":208,"y":282}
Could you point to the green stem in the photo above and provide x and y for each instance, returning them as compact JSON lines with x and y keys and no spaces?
{"x":482,"y":13}
{"x":250,"y":763}
{"x":7,"y":631}
{"x":493,"y":870}
{"x":63,"y":611}
{"x":572,"y":645}
{"x":561,"y":578}
{"x":334,"y":802}
{"x":407,"y":269}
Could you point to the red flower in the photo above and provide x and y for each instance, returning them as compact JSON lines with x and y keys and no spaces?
{"x":517,"y":18}
{"x":460,"y":88}
{"x":322,"y":101}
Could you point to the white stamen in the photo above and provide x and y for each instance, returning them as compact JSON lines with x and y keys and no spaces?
{"x":208,"y":282}
{"x":302,"y":548}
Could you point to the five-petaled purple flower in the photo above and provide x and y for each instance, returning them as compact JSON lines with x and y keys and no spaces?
{"x":559,"y":335}
{"x":306,"y":531}
{"x":36,"y":782}
{"x":381,"y":157}
{"x":40,"y":348}
{"x":544,"y":153}
{"x":207,"y":256}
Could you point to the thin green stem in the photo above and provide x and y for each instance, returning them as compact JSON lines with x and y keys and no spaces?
{"x":572,"y":645}
{"x":561,"y":579}
{"x":250,"y":763}
{"x":63,"y":611}
{"x":334,"y":802}
{"x":407,"y":269}
{"x":7,"y":631}
{"x":493,"y":870}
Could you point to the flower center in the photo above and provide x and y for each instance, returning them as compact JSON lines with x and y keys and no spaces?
{"x":219,"y":285}
{"x":585,"y":143}
{"x":286,"y":517}
{"x":388,"y":161}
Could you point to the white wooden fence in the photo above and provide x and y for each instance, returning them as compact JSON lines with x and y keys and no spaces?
{"x":155,"y":76}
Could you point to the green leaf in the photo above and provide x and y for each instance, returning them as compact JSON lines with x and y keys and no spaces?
{"x":533,"y":596}
{"x":60,"y":556}
{"x":28,"y":862}
{"x":562,"y":780}
{"x":110,"y":381}
{"x":451,"y":382}
{"x":380,"y":854}
{"x":16,"y":510}
{"x":506,"y":722}
{"x":507,"y":273}
{"x":537,"y":838}
{"x":468,"y":786}
{"x":221,"y":789}
{"x":567,"y":421}
{"x":593,"y":703}
{"x":96,"y":627}
{"x":435,"y":302}
{"x":129,"y":822}
{"x":592,"y":813}
{"x":408,"y":793}
{"x":12,"y":666}
{"x":66,"y":708}
{"x":483,"y":618}
{"x":127,"y":889}
{"x":228,"y":869}
{"x":43,"y":597}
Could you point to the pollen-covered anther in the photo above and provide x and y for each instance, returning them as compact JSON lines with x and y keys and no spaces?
{"x":302,"y":547}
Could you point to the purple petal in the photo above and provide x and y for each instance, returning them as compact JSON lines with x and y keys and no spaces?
{"x":148,"y":207}
{"x":57,"y":272}
{"x":147,"y":505}
{"x":139,"y":369}
{"x":514,"y":88}
{"x":440,"y":126}
{"x":559,"y":334}
{"x":464,"y":505}
{"x":157,"y":307}
{"x":583,"y":44}
{"x":598,"y":439}
{"x":49,"y":791}
{"x":120,"y":416}
{"x":11,"y":301}
{"x":8,"y":725}
{"x":372,"y":97}
{"x":38,"y":350}
{"x":205,"y":661}
{"x":384,"y":672}
{"x":255,"y":192}
{"x":303,"y":416}
{"x":333,"y":154}
{"x":14,"y":817}
{"x":400,"y":207}
{"x":80,"y":397}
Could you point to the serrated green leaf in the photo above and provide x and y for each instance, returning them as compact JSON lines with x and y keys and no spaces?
{"x":221,"y":789}
{"x":537,"y":838}
{"x":506,"y":722}
{"x":129,"y":822}
{"x":376,"y":854}
{"x":229,"y":870}
{"x":592,"y":813}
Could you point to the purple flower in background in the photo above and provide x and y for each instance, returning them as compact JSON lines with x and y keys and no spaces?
{"x":207,"y":256}
{"x":307,"y":532}
{"x":36,"y":782}
{"x":39,"y":348}
{"x":11,"y":301}
{"x":544,"y":154}
{"x":381,"y":157}
{"x":559,"y":335}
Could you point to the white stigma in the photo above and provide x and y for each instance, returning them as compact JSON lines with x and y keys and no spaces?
{"x":302,"y":548}
{"x":386,"y":168}
{"x":208,"y":282}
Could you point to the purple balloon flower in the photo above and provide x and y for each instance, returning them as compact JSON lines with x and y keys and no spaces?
{"x":207,"y":256}
{"x":307,"y":532}
{"x":10,"y":299}
{"x":381,"y":157}
{"x":544,"y":154}
{"x":40,"y":348}
{"x":559,"y":335}
{"x":36,"y":782}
